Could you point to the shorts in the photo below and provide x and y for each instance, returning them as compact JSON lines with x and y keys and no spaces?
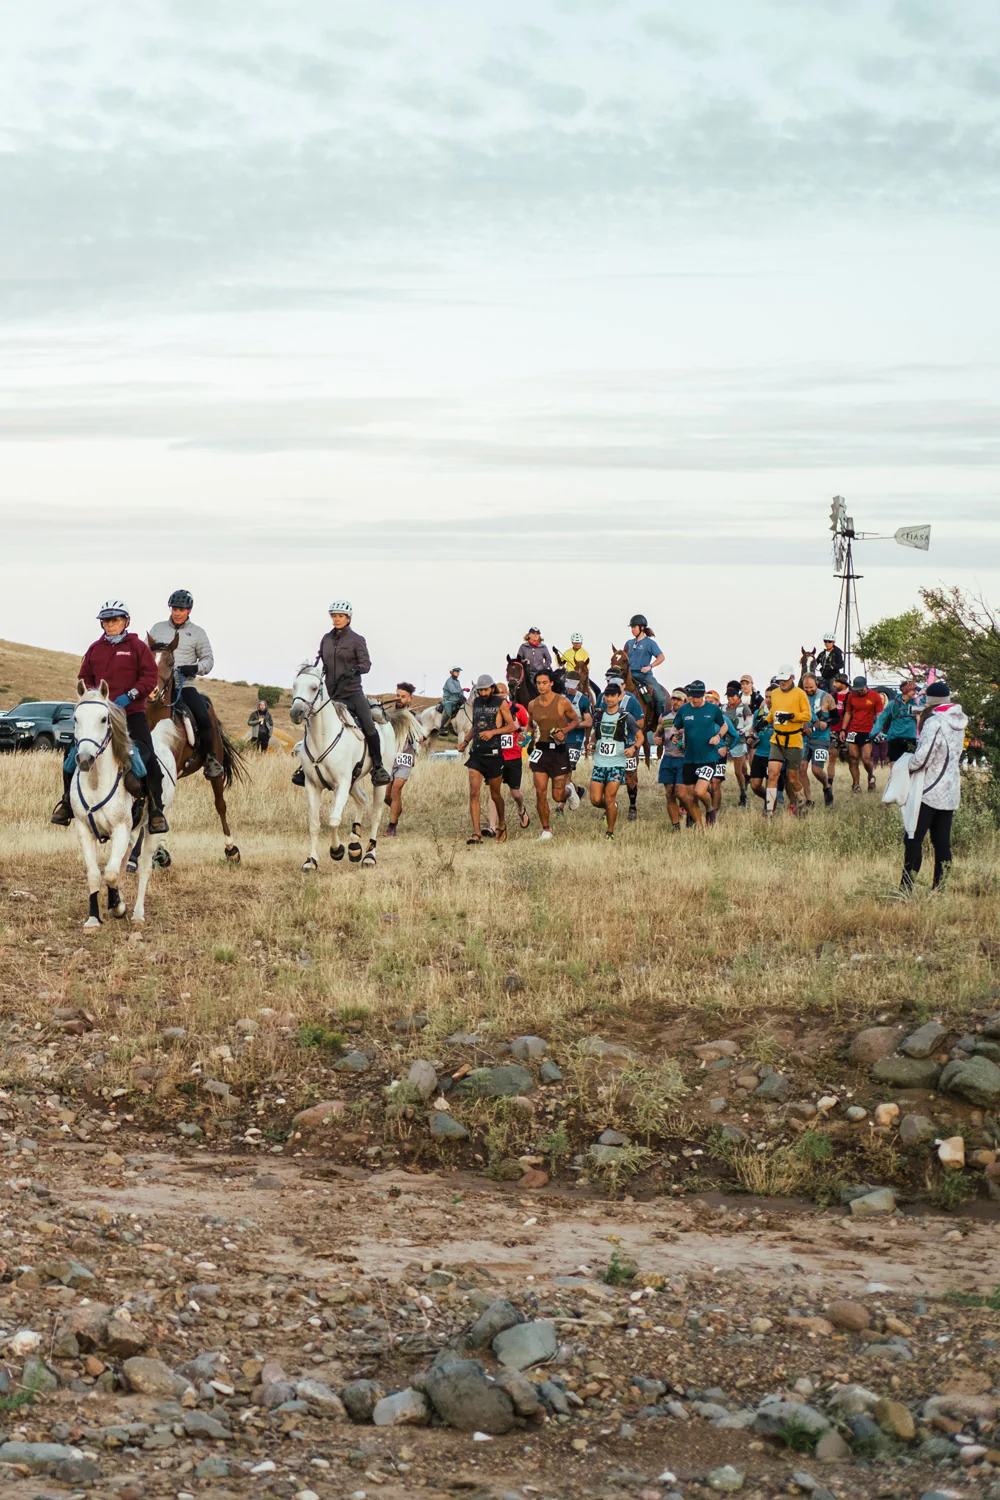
{"x":671,"y":772}
{"x":604,"y":774}
{"x":550,"y":760}
{"x":816,"y":751}
{"x":705,"y":774}
{"x":786,"y":755}
{"x":489,"y":766}
{"x":512,"y":771}
{"x":758,"y":768}
{"x":402,"y":766}
{"x":900,"y":747}
{"x":740,"y":748}
{"x":856,"y":737}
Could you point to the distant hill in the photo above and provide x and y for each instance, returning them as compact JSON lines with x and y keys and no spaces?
{"x":32,"y":672}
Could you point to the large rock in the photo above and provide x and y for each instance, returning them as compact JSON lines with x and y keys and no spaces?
{"x":497,"y":1318}
{"x":123,"y":1338}
{"x":151,"y":1377}
{"x":318,"y":1115}
{"x":40,"y":1458}
{"x":907,"y":1072}
{"x":925,"y":1040}
{"x":422,"y":1077}
{"x":915,"y":1129}
{"x":446,"y":1128}
{"x":503,"y":1082}
{"x":526,"y":1344}
{"x":774,"y":1416}
{"x":524,"y":1048}
{"x":977,"y":1080}
{"x":361,"y":1397}
{"x":462,"y":1396}
{"x":875,"y":1204}
{"x":321,"y":1398}
{"x":874,"y":1043}
{"x":850,"y":1315}
{"x":89,"y":1323}
{"x":403,"y":1409}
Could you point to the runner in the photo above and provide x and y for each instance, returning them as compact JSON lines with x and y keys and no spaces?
{"x":671,"y":773}
{"x":616,"y":736}
{"x":862,"y":707}
{"x":553,"y":716}
{"x":790,"y":712}
{"x":576,"y":740}
{"x":740,"y":715}
{"x":749,"y":693}
{"x":402,"y":766}
{"x":898,"y":720}
{"x":760,"y":742}
{"x":838,"y":749}
{"x":730,"y":738}
{"x":703,"y":726}
{"x":816,"y":749}
{"x":513,"y":764}
{"x":490,"y":719}
{"x":631,"y":705}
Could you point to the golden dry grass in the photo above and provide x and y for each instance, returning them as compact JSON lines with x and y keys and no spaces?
{"x":744,"y":927}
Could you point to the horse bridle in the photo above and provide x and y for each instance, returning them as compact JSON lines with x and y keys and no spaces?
{"x":313,"y":708}
{"x":92,"y":808}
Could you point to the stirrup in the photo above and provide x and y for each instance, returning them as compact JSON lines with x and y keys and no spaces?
{"x":62,"y":813}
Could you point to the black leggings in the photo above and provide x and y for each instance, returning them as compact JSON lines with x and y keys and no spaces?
{"x":361,"y":709}
{"x":937,"y":823}
{"x":198,"y":704}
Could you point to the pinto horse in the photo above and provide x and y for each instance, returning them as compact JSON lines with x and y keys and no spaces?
{"x":620,"y":664}
{"x":520,"y":685}
{"x":188,"y":755}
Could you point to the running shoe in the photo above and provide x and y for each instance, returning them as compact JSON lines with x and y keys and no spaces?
{"x":633,"y":812}
{"x":871,"y":783}
{"x":546,"y":833}
{"x":572,"y":798}
{"x":390,"y":831}
{"x":856,"y":789}
{"x":609,"y":837}
{"x":828,"y":796}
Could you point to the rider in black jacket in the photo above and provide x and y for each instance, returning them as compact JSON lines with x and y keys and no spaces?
{"x":345,"y":659}
{"x":829,"y":663}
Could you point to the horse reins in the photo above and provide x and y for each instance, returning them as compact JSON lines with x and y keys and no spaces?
{"x":313,"y":708}
{"x":91,"y":809}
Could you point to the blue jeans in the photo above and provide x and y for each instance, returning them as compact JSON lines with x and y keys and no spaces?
{"x":656,"y":691}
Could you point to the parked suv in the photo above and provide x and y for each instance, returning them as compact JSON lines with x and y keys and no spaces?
{"x":37,"y":726}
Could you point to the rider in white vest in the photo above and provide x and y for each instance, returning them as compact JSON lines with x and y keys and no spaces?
{"x":193,"y":658}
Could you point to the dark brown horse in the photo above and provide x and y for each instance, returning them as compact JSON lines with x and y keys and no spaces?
{"x":620,"y":664}
{"x":521,"y":688}
{"x":190,"y":759}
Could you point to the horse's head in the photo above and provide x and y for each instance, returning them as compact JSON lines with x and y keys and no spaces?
{"x":515,"y":672}
{"x":619,"y":659}
{"x":164,"y":653}
{"x":96,"y":722}
{"x":305,"y":690}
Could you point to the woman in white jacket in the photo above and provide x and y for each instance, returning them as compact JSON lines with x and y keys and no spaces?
{"x":938,"y":753}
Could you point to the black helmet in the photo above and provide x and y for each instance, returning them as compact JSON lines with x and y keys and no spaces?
{"x":180,"y":599}
{"x":638,"y":620}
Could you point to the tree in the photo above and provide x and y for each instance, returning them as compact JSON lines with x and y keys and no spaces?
{"x":269,"y":695}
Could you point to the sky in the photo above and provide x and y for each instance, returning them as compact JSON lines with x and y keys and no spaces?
{"x":495,"y":315}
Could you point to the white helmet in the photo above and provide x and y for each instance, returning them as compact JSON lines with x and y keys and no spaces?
{"x":341,"y":607}
{"x":111,"y":609}
{"x":576,"y":639}
{"x":831,"y":635}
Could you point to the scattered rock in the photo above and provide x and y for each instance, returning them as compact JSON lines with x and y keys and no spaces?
{"x":886,"y":1114}
{"x":422,"y":1077}
{"x":915,"y":1129}
{"x":873,"y":1044}
{"x":151,"y":1377}
{"x":319,"y":1395}
{"x":775,"y":1086}
{"x":360,"y":1398}
{"x":200,"y":1424}
{"x":549,"y":1073}
{"x":907,"y":1072}
{"x":526,"y":1344}
{"x":522,"y":1392}
{"x":774,"y":1415}
{"x":462,"y":1396}
{"x":39,"y":1458}
{"x":501,"y":1082}
{"x":123,"y":1339}
{"x":528,"y":1048}
{"x":850,"y":1315}
{"x":977,"y":1080}
{"x":497,"y":1318}
{"x":951,"y":1153}
{"x":318,"y":1115}
{"x":925,"y":1040}
{"x":855,"y":1113}
{"x":443,"y":1125}
{"x":872,"y":1205}
{"x":403,"y":1409}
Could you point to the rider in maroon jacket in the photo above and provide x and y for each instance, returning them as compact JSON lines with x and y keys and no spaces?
{"x":124,"y":661}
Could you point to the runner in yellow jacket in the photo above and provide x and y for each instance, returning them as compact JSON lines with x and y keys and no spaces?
{"x":790,"y":713}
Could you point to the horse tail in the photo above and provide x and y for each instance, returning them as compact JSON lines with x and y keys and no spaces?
{"x":234,"y":762}
{"x":405,"y":726}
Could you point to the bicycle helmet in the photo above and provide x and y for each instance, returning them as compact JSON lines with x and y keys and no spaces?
{"x":341,"y":607}
{"x":181,"y":599}
{"x":113,"y":609}
{"x":638,"y":620}
{"x":576,"y":639}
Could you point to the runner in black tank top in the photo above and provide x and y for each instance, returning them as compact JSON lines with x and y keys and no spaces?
{"x":491,"y":718}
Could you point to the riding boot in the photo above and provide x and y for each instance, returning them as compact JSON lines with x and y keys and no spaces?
{"x":62,"y":813}
{"x":154,"y":788}
{"x":380,"y":776}
{"x":213,"y":768}
{"x":299,"y":777}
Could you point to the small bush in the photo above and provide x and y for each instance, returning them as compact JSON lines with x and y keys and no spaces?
{"x":269,"y":695}
{"x":555,"y":1146}
{"x":798,"y":1436}
{"x":619,"y":1168}
{"x":972,"y":1299}
{"x":317,"y":1034}
{"x":620,"y":1270}
{"x":224,"y":955}
{"x":814,"y":1146}
{"x":951,"y":1190}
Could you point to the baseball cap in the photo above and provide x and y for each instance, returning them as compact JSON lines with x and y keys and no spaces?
{"x":696,"y":688}
{"x":859,"y":682}
{"x":785,"y":671}
{"x":613,"y":686}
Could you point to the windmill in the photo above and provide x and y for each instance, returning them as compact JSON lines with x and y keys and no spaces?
{"x":844,"y":537}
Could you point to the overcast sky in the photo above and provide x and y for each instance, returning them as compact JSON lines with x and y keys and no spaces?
{"x":494,"y":315}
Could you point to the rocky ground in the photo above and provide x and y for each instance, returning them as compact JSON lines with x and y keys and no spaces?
{"x":180,"y":1321}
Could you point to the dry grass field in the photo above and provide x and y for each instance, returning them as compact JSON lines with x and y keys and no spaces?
{"x":788,"y":937}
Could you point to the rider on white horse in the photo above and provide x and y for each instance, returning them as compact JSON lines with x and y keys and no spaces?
{"x":193,"y":658}
{"x":124,"y":661}
{"x":345,"y":659}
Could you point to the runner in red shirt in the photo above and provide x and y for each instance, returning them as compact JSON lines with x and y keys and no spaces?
{"x":862,"y":708}
{"x":513,"y":765}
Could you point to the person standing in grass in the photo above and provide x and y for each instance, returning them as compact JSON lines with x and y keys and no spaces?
{"x":513,"y":764}
{"x":671,"y":772}
{"x":703,"y":727}
{"x":740,"y":715}
{"x":937,"y":758}
{"x":261,"y":726}
{"x":402,"y":766}
{"x":553,"y":717}
{"x":816,"y":738}
{"x":616,"y":737}
{"x":491,"y":719}
{"x":789,"y":714}
{"x":898,"y":721}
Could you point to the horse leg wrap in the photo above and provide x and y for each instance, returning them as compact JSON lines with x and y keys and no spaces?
{"x":337,"y":853}
{"x":95,"y":910}
{"x":114,"y":897}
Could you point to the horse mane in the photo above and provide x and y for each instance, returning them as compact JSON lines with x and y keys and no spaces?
{"x":405,"y":725}
{"x":121,"y":744}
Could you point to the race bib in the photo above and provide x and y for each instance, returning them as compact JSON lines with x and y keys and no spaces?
{"x":506,"y":742}
{"x":821,"y":757}
{"x":405,"y":758}
{"x":706,"y":773}
{"x":574,"y":755}
{"x":534,"y":757}
{"x":631,"y":763}
{"x":850,"y":736}
{"x":607,"y":748}
{"x":720,"y":771}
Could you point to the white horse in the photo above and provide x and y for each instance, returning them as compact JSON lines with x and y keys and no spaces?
{"x":431,"y":719}
{"x":331,"y":747}
{"x":102,"y":803}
